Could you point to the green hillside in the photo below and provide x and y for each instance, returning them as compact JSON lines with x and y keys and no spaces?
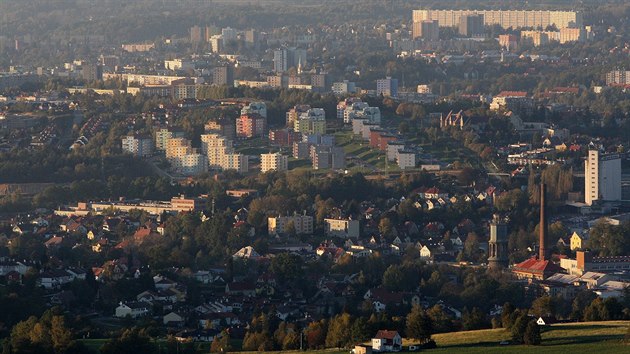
{"x":583,"y":338}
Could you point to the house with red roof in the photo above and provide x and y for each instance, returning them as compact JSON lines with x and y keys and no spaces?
{"x":387,"y":341}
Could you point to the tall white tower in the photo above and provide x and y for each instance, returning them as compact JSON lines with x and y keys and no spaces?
{"x":602,"y":177}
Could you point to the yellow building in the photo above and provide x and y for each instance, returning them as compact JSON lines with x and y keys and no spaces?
{"x":273,"y":162}
{"x":578,"y":242}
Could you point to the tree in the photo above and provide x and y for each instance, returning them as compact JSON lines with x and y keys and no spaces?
{"x":519,"y":327}
{"x":132,"y":341}
{"x":508,"y":315}
{"x":393,"y":278}
{"x":441,"y":321}
{"x":221,"y":344}
{"x":532,"y":333}
{"x":339,"y":331}
{"x":316,"y":334}
{"x":419,"y":324}
{"x":474,"y":319}
{"x":61,"y":337}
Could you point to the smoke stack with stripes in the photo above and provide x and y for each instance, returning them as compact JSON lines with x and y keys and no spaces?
{"x":543,"y":223}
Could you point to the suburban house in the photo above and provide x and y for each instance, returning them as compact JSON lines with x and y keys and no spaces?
{"x":132,"y":309}
{"x":387,"y":341}
{"x":173,"y":319}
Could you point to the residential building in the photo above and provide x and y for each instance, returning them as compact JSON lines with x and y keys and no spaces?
{"x":255,"y":107}
{"x":313,"y":121}
{"x":286,"y":58}
{"x":183,"y":158}
{"x":162,"y":136}
{"x":471,"y":25}
{"x":178,"y":64}
{"x":223,"y":126}
{"x":344,"y":87}
{"x":602,"y":177}
{"x":92,"y":72}
{"x":220,"y":153}
{"x":251,"y":125}
{"x":426,"y":29}
{"x":134,"y":309}
{"x":273,"y":162}
{"x":302,"y":224}
{"x":504,"y":18}
{"x":515,"y":101}
{"x":406,"y":159}
{"x":293,"y":114}
{"x":387,"y":341}
{"x":223,"y":76}
{"x":577,"y":241}
{"x":137,"y":145}
{"x":324,"y":157}
{"x":344,"y":228}
{"x":618,"y":77}
{"x":387,"y":87}
{"x":283,"y":137}
{"x":508,"y":42}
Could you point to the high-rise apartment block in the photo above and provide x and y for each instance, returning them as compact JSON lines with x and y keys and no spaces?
{"x":313,"y":121}
{"x":251,"y":125}
{"x":471,"y":25}
{"x":387,"y":87}
{"x":618,"y":77}
{"x":286,"y":58}
{"x":504,"y":18}
{"x":223,"y":76}
{"x":183,"y":158}
{"x":426,"y":29}
{"x":220,"y":154}
{"x":602,"y":177}
{"x":140,"y":146}
{"x":273,"y":162}
{"x":163,"y":134}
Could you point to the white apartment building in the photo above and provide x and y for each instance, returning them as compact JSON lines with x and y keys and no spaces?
{"x":178,"y":64}
{"x":219,"y":153}
{"x":602,"y":177}
{"x":183,"y":158}
{"x":303,"y":224}
{"x":344,"y":87}
{"x":344,"y":228}
{"x":137,"y":145}
{"x":406,"y":159}
{"x":162,"y":135}
{"x":273,"y":162}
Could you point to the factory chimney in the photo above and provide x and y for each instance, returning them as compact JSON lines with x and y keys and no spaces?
{"x":543,"y":223}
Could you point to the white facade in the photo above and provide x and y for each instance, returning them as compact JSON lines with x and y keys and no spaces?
{"x":137,"y":146}
{"x":602,"y":177}
{"x":303,"y":224}
{"x":406,"y":159}
{"x":344,"y":228}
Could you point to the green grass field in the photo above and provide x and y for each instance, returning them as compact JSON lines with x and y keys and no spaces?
{"x":582,"y":338}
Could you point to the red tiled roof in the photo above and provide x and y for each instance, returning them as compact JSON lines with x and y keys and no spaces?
{"x":512,"y":94}
{"x":385,"y":334}
{"x":536,"y":266}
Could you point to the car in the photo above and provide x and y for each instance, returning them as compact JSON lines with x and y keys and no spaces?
{"x":504,"y":342}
